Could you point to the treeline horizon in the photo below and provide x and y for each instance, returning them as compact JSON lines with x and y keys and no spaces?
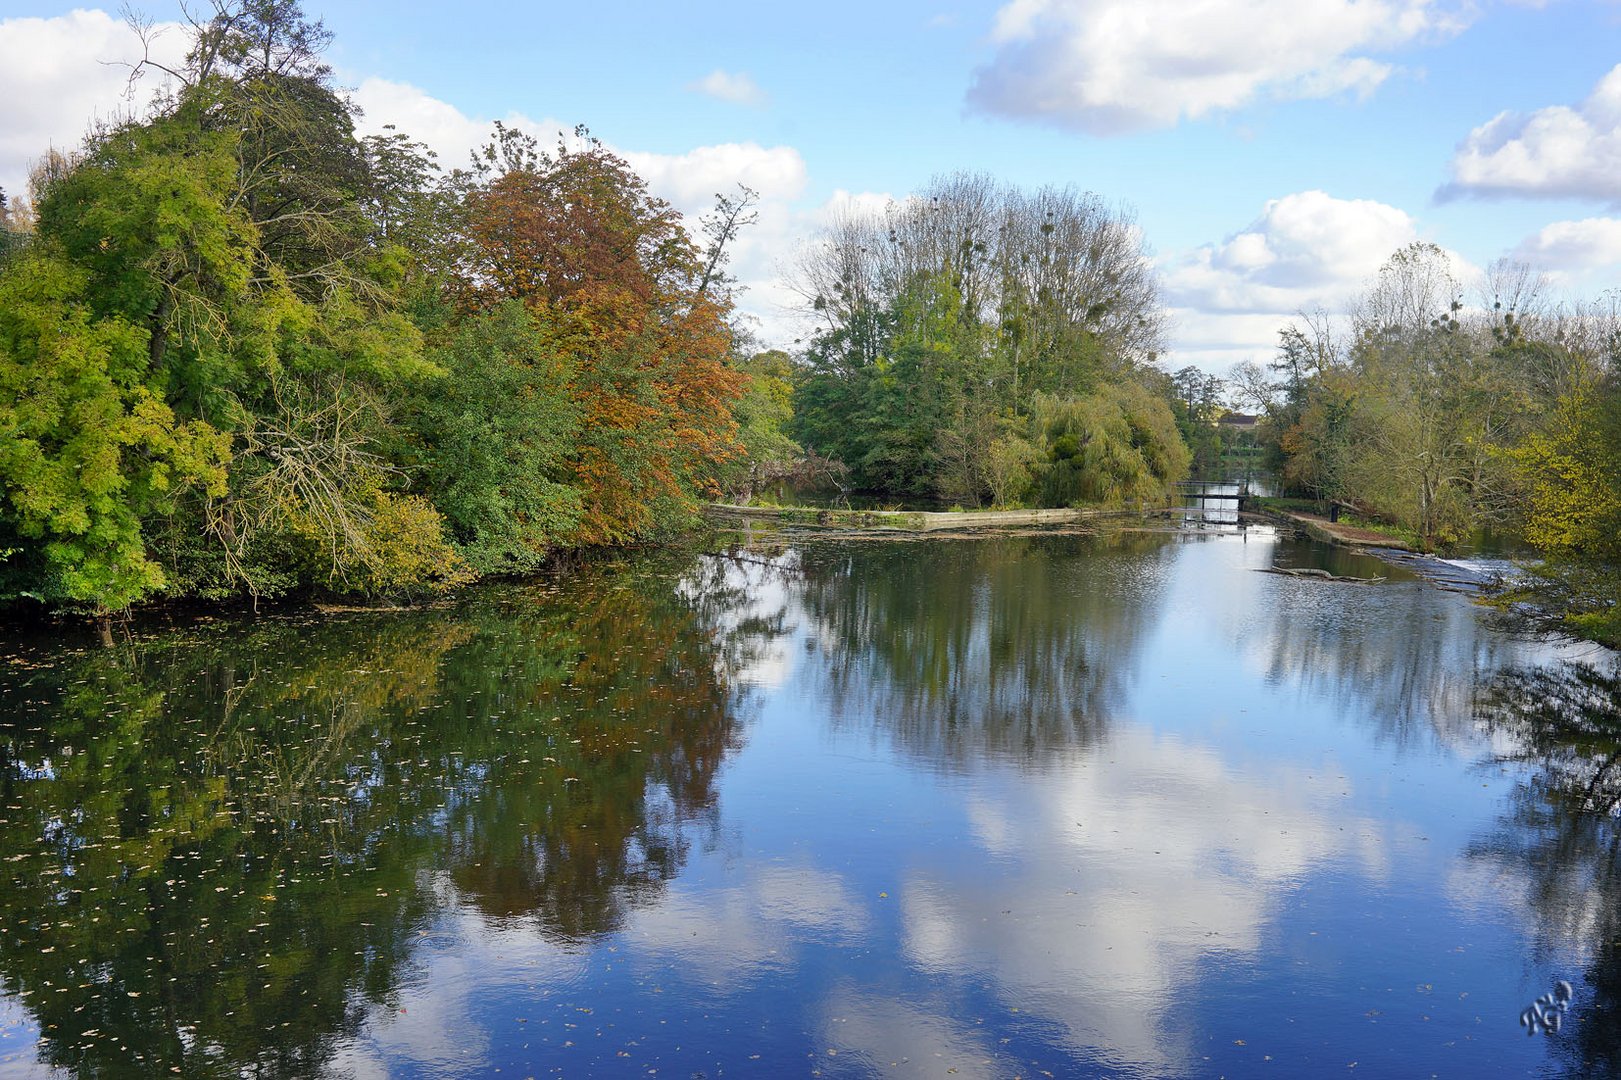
{"x":246,"y":351}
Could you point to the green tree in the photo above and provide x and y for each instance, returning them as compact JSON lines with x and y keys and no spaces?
{"x":496,"y":438}
{"x":88,"y":446}
{"x":944,"y":317}
{"x":764,"y":413}
{"x":1118,"y":445}
{"x":223,"y":260}
{"x":1196,"y":401}
{"x":14,"y":228}
{"x":1571,"y":472}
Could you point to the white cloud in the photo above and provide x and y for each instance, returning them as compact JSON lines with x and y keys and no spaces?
{"x":739,"y":88}
{"x":731,"y":935}
{"x":901,"y":1038}
{"x":433,"y":1022}
{"x":1304,"y":251}
{"x":20,"y":1032}
{"x":1109,"y":66}
{"x":1573,"y":246}
{"x":844,"y":203}
{"x":60,"y":75}
{"x":689,"y":181}
{"x":1556,"y":152}
{"x":445,"y":129}
{"x":1173,"y":874}
{"x":692,"y":180}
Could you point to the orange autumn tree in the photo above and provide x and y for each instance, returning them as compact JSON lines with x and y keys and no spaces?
{"x":617,"y":287}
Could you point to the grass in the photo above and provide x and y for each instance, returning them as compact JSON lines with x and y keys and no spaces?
{"x":1384,"y":528}
{"x":1357,"y":521}
{"x":1289,"y":505}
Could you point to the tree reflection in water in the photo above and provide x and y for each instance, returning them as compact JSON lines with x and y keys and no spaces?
{"x":1017,"y":647}
{"x":1563,"y":837}
{"x":220,"y":846}
{"x":1403,"y":655}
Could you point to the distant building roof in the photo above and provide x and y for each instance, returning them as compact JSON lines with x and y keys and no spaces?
{"x":1235,"y":419}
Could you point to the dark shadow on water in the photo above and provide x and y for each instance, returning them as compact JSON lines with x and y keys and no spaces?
{"x":219,"y":846}
{"x":1562,"y":838}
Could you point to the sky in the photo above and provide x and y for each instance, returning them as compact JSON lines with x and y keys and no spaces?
{"x":1274,"y":152}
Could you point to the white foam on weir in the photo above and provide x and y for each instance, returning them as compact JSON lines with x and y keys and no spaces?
{"x":1485,"y":567}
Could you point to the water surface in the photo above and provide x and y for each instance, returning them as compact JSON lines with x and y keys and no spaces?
{"x":1016,"y":806}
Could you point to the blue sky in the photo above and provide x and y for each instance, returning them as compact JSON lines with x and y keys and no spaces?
{"x":1273,"y":152}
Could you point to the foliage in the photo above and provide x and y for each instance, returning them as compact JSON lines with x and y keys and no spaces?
{"x":87,"y":444}
{"x":1573,"y":512}
{"x":246,"y":351}
{"x":1197,"y":401}
{"x":769,"y":456}
{"x":1434,"y":418}
{"x":1119,"y":445}
{"x":1010,"y":465}
{"x":946,"y":317}
{"x":616,"y":283}
{"x":496,"y":437}
{"x":766,"y":407}
{"x":15,"y":226}
{"x":1413,"y":419}
{"x":1575,"y":491}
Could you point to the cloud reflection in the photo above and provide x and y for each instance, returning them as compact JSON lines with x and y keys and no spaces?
{"x":729,"y":935}
{"x":1103,"y":887}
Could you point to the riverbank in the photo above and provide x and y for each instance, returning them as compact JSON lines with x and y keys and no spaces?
{"x":905,"y":520}
{"x":1334,"y":532}
{"x":1450,"y":574}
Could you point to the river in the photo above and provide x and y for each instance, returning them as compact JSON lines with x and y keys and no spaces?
{"x":1025,"y":805}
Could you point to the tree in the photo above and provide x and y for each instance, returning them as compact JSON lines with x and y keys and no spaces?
{"x":1010,"y":466}
{"x":721,"y":227}
{"x":1059,"y":280}
{"x":1117,"y":446}
{"x":496,"y":440}
{"x":1409,"y":422}
{"x":612,"y":276}
{"x":945,"y":316}
{"x":1436,"y":404}
{"x":224,"y":360}
{"x":212,"y":258}
{"x":1196,"y":400}
{"x":1571,"y":472}
{"x":763,"y":415}
{"x":88,"y":447}
{"x":15,"y":225}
